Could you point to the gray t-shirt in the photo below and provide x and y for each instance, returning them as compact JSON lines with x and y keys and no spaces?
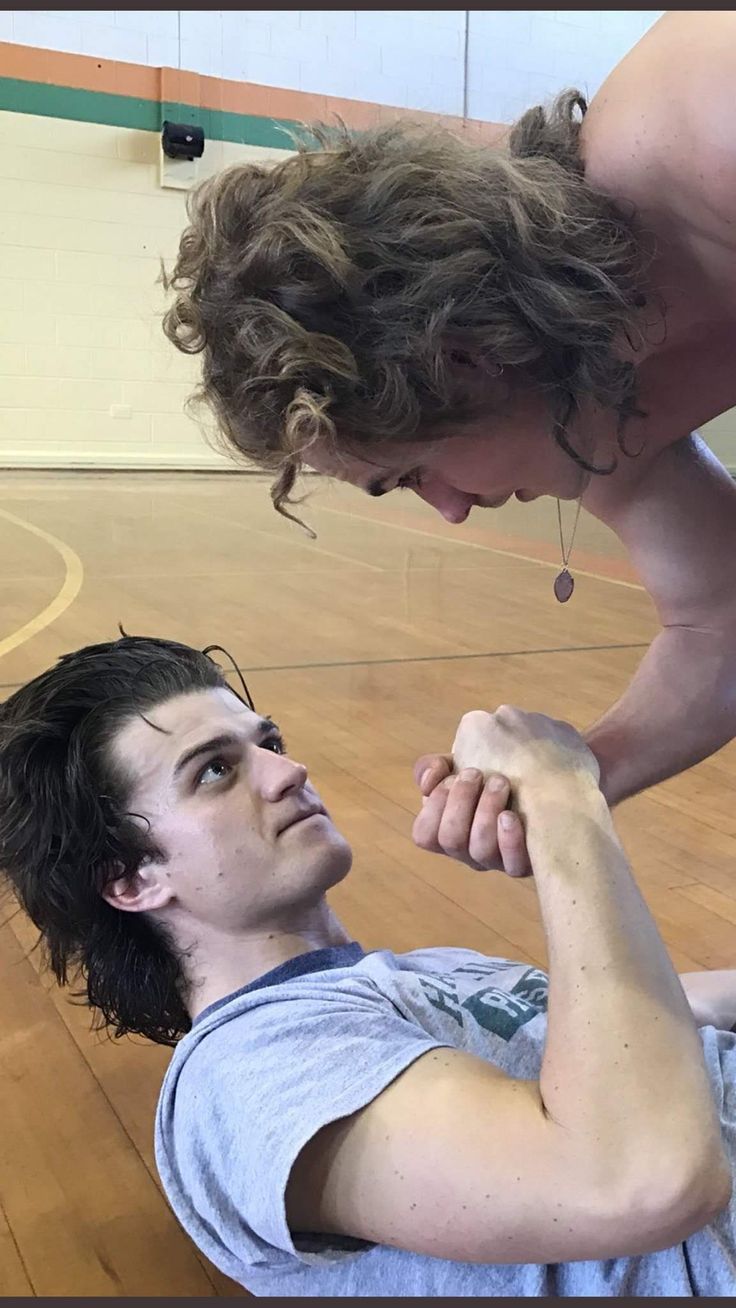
{"x":318,"y":1038}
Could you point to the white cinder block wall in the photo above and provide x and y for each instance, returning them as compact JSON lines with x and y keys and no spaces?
{"x":87,"y":378}
{"x":521,"y":57}
{"x":408,"y":58}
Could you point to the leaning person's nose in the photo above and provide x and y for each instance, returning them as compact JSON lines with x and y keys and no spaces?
{"x":279,"y":775}
{"x":454,"y":505}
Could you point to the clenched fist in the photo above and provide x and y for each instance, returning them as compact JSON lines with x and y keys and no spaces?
{"x":497,"y":758}
{"x":528,"y":748}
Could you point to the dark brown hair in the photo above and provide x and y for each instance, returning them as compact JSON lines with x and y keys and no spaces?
{"x":324,"y":292}
{"x":66,"y":831}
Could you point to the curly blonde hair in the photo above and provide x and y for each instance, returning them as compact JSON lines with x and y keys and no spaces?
{"x":322,"y":292}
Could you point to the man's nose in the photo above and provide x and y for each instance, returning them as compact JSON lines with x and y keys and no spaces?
{"x":279,"y":775}
{"x":454,"y":505}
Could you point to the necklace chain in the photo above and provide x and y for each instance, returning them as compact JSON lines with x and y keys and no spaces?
{"x":566,"y":556}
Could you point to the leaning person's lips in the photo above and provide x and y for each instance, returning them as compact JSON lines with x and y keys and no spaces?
{"x":494,"y":504}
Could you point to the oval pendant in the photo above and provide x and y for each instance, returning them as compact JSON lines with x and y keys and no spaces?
{"x":564,"y":586}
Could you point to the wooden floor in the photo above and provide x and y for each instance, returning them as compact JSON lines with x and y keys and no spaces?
{"x":367,"y":644}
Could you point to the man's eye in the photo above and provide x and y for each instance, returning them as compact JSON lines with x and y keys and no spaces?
{"x":276,"y":744}
{"x":214,"y":771}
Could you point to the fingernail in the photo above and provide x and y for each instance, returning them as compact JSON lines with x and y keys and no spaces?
{"x":469,"y":774}
{"x":496,"y":782}
{"x":507,"y":821}
{"x":424,"y":776}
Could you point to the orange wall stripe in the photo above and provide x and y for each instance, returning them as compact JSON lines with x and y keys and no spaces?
{"x":178,"y":86}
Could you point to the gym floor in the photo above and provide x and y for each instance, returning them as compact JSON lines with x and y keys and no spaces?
{"x":366,"y":645}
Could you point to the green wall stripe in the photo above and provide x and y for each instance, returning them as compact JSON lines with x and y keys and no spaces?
{"x":41,"y":98}
{"x":86,"y":106}
{"x":221,"y":125}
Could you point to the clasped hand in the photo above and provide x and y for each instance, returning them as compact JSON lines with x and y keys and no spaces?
{"x":498,"y":760}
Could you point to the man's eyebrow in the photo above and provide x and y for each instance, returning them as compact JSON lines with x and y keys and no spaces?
{"x":379,"y":486}
{"x":226,"y":739}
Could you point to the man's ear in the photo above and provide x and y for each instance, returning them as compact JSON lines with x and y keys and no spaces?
{"x":143,"y":891}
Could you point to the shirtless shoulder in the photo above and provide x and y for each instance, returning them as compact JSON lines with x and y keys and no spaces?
{"x":659,"y":136}
{"x":659,"y":132}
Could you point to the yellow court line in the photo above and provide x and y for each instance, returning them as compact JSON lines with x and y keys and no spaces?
{"x":74,"y":576}
{"x":475,"y":545}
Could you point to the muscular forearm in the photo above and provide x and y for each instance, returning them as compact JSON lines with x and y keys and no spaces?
{"x":679,"y":708}
{"x":620,"y":1030}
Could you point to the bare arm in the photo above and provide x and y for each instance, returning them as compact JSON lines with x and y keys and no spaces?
{"x":458,"y":1160}
{"x":677,"y":517}
{"x":679,"y":524}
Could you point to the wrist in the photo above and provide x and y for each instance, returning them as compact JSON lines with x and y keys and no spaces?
{"x":614,"y":775}
{"x":557,"y":810}
{"x":565,"y":792}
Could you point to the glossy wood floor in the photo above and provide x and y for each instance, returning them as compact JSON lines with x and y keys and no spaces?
{"x":367,"y":645}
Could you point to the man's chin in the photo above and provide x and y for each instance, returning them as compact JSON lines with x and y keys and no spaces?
{"x":330,"y":854}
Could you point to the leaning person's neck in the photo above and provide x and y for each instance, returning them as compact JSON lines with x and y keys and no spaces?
{"x":220,"y":965}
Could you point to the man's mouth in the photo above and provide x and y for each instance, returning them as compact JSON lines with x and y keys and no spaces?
{"x":313,"y":810}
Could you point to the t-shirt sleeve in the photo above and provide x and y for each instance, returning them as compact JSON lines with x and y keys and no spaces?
{"x":256,"y":1089}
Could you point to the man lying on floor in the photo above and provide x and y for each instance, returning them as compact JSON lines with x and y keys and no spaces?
{"x":335,"y":1122}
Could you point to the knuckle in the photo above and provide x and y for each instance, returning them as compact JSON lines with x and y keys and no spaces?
{"x":485,"y":855}
{"x":483,"y":834}
{"x":475,"y":718}
{"x":514,"y":837}
{"x":422,"y":832}
{"x":483,"y":837}
{"x":453,"y":845}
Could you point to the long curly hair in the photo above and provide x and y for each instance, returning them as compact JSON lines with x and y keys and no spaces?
{"x":66,"y":829}
{"x":328,"y":293}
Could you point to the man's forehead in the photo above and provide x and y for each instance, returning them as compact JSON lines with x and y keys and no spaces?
{"x":179,"y":722}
